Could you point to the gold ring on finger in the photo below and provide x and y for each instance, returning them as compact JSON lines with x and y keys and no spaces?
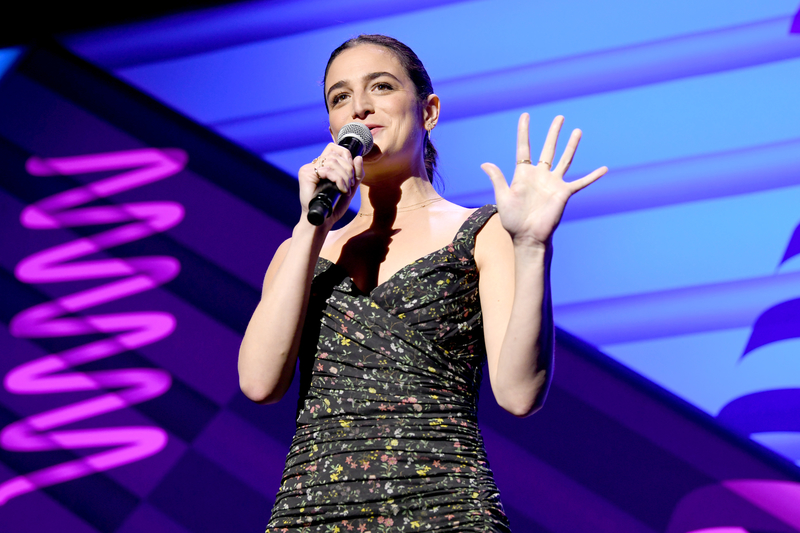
{"x":317,"y":173}
{"x":545,"y":163}
{"x":524,"y":162}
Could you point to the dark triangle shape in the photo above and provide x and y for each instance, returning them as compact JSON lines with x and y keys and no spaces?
{"x":777,"y":323}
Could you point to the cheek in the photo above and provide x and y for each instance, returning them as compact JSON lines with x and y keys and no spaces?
{"x":337,"y":121}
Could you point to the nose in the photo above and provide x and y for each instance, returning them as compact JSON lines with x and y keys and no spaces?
{"x":362,"y":105}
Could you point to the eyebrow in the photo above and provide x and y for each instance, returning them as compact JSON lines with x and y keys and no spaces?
{"x":366,"y":77}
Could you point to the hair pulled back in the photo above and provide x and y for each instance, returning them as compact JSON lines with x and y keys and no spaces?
{"x":415,"y":71}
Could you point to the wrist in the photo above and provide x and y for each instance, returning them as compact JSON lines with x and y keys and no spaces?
{"x":531,"y":245}
{"x":305,"y":231}
{"x":529,"y":254}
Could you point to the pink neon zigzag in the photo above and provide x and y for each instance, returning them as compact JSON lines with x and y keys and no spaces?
{"x":127,"y":331}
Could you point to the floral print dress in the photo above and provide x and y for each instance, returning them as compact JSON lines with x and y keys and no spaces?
{"x":387,"y":437}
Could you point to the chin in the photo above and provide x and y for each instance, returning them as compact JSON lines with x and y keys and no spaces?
{"x":373,"y":155}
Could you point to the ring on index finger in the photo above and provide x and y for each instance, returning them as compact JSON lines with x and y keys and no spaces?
{"x":524,"y":162}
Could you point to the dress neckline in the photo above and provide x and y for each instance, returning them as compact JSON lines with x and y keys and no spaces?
{"x":461,"y":228}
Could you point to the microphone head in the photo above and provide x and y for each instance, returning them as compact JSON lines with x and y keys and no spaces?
{"x":359,"y":132}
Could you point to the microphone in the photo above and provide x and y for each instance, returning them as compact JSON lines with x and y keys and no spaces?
{"x":357,"y":138}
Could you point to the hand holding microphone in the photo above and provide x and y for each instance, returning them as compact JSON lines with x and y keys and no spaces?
{"x":357,"y":138}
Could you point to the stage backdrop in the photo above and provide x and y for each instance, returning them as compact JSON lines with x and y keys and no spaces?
{"x":682,"y":263}
{"x":134,"y":242}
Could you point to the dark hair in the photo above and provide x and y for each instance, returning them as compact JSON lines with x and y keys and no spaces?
{"x":415,"y":71}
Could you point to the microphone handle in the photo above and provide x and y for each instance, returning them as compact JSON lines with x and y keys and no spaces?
{"x":327,"y":194}
{"x":321,"y":206}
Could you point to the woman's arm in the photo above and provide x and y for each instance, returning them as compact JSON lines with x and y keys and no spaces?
{"x":268,"y":353}
{"x":514,"y":255}
{"x":517,"y":318}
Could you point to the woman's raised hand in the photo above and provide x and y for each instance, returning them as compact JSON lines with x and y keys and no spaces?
{"x":531,"y":207}
{"x":334,"y":164}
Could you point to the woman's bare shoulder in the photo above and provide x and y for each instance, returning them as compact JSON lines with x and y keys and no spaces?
{"x":493,"y":244}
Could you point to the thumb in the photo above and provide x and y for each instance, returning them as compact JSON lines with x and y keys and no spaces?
{"x":496,"y":175}
{"x":358,"y":169}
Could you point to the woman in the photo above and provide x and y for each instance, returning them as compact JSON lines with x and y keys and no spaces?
{"x":398,"y":316}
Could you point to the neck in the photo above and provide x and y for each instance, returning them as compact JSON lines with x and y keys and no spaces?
{"x":386,"y":197}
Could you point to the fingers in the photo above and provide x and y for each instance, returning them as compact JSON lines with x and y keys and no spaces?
{"x":549,"y":148}
{"x":335,"y":164}
{"x":498,"y":180}
{"x":569,"y":152}
{"x":358,"y":175}
{"x":587,"y":180}
{"x":335,"y":172}
{"x":523,"y":143}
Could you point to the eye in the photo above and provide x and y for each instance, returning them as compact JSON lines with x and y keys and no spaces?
{"x":383,"y":86}
{"x":338,"y":98}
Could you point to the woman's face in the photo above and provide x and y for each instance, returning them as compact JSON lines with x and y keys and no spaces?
{"x":367,"y":84}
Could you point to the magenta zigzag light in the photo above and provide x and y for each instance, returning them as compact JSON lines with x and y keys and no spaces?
{"x":126,"y":331}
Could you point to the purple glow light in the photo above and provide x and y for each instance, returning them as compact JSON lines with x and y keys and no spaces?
{"x":720,"y":530}
{"x":128,"y":331}
{"x":738,"y":505}
{"x":780,"y":499}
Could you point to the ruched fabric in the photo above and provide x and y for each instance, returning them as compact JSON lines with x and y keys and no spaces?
{"x":387,"y":437}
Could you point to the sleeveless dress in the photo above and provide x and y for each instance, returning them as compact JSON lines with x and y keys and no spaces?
{"x":387,"y":436}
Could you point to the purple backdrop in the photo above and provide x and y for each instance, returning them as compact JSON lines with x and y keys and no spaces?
{"x":134,"y":242}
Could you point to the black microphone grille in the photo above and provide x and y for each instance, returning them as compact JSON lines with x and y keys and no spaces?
{"x":360,"y":132}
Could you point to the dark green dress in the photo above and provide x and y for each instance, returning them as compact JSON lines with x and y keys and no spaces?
{"x":387,"y":437}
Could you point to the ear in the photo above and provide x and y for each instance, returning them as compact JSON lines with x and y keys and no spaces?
{"x":430,"y":112}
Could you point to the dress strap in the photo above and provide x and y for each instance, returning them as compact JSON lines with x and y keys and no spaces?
{"x":470,"y":228}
